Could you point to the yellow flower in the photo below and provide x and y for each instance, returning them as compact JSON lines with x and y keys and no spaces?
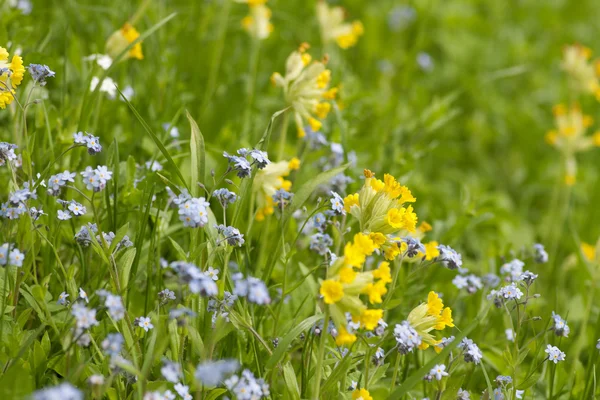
{"x":425,"y":227}
{"x":266,"y":182}
{"x":377,"y":238}
{"x":305,"y":87}
{"x":347,"y":275}
{"x":583,"y":73}
{"x":8,"y":85}
{"x":294,"y":164}
{"x":370,"y":318}
{"x":444,"y":319}
{"x":383,"y":272}
{"x":332,"y":291}
{"x":344,"y":338}
{"x":395,"y":217}
{"x":430,"y":316}
{"x":119,"y":40}
{"x":361,"y":394}
{"x":364,"y":243}
{"x":382,"y":207}
{"x":570,"y":179}
{"x":589,"y":251}
{"x":431,"y":250}
{"x":333,"y":27}
{"x":258,"y":23}
{"x":375,"y":291}
{"x":434,"y":304}
{"x":350,"y":200}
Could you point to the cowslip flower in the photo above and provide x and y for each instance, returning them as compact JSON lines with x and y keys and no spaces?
{"x":11,"y":76}
{"x":582,"y":72}
{"x":570,"y":137}
{"x":343,"y":286}
{"x":430,"y":316}
{"x":334,"y":28}
{"x":380,"y":206}
{"x":361,"y":394}
{"x":120,"y":39}
{"x":258,"y":22}
{"x":306,"y":89}
{"x":266,"y":183}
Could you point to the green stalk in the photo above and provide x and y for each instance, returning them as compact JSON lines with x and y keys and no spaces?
{"x":321,"y":355}
{"x":283,"y":136}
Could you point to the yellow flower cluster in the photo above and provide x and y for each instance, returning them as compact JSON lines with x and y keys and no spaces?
{"x":345,"y":284}
{"x":333,"y":27}
{"x":9,"y":81}
{"x":380,"y":205}
{"x":120,"y":39}
{"x":267,"y":181}
{"x":430,"y":316}
{"x":258,"y":22}
{"x":583,"y":72}
{"x":363,"y":394}
{"x":306,"y":88}
{"x":570,"y":136}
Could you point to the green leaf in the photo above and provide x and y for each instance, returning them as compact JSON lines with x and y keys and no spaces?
{"x":289,"y":376}
{"x":126,"y":260}
{"x":215,"y":393}
{"x":119,"y":236}
{"x":282,"y":347}
{"x":178,"y":249}
{"x":155,"y":138}
{"x":197,"y":152}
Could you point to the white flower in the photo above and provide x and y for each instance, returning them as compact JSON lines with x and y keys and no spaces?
{"x":103,"y":60}
{"x":83,"y":295}
{"x":145,"y":323}
{"x":107,"y":86}
{"x":63,"y":215}
{"x":62,"y":299}
{"x":97,"y":380}
{"x":510,"y":335}
{"x":212,"y":273}
{"x":554,"y":354}
{"x":438,"y":371}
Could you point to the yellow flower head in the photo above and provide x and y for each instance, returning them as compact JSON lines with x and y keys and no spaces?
{"x":294,"y":164}
{"x":120,"y":39}
{"x":332,"y":291}
{"x":12,"y":78}
{"x":334,"y":28}
{"x":344,"y":338}
{"x":258,"y":22}
{"x":589,"y":251}
{"x":383,"y":272}
{"x":431,"y":250}
{"x":306,"y":89}
{"x":370,"y":318}
{"x":430,"y":316}
{"x":266,"y":182}
{"x":361,"y":394}
{"x":380,"y":206}
{"x":583,"y":73}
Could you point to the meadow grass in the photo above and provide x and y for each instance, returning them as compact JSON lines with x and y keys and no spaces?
{"x":288,"y":199}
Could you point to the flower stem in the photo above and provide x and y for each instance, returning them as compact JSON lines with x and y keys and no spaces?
{"x":283,"y":136}
{"x":395,"y":374}
{"x":320,"y":356}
